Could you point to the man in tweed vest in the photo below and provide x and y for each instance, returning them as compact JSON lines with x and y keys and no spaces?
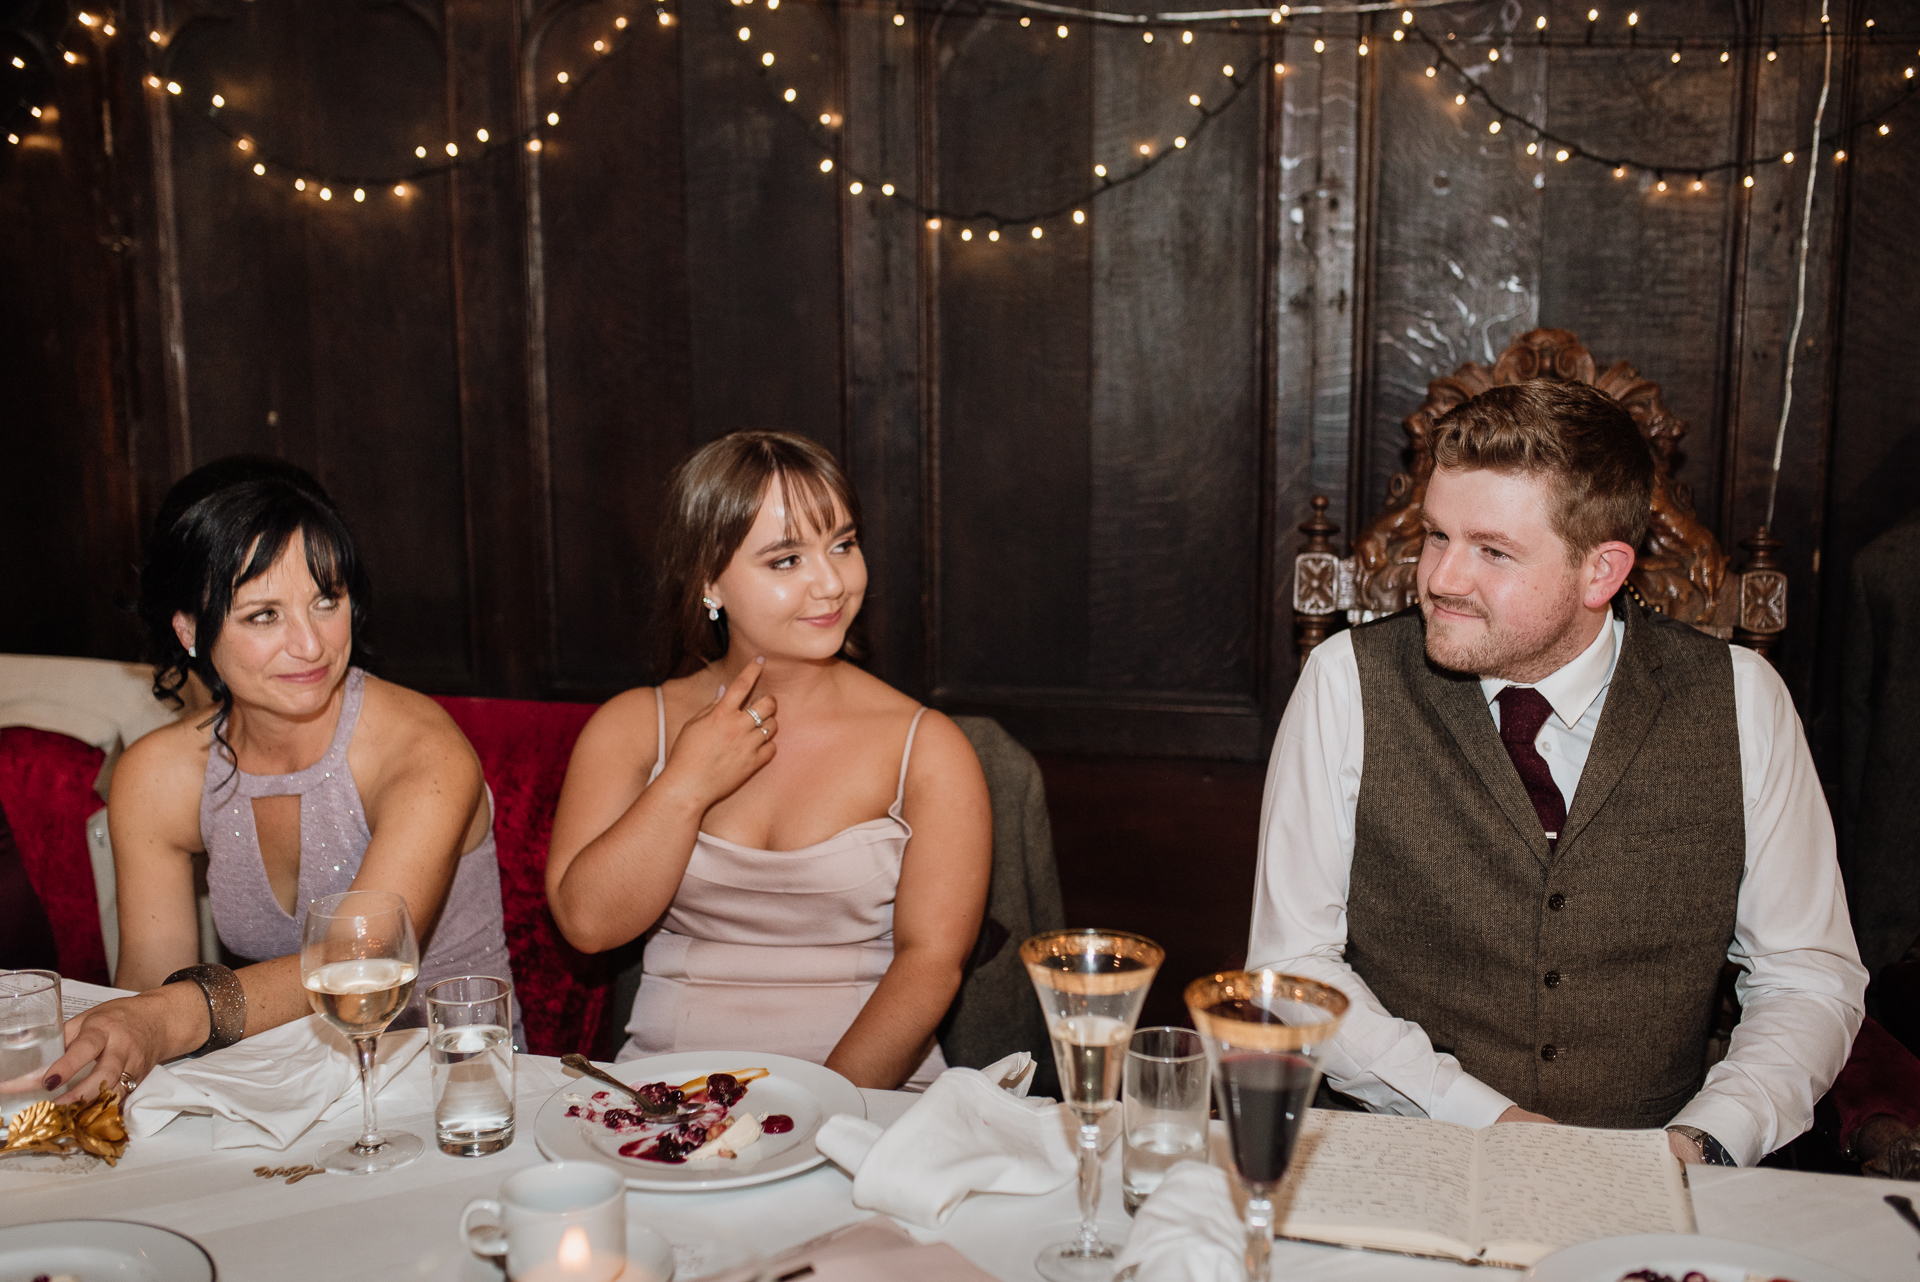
{"x":1523,"y":825}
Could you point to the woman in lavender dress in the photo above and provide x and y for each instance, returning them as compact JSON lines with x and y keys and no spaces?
{"x":309,"y":778}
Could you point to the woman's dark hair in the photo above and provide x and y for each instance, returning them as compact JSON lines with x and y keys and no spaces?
{"x":712,"y":500}
{"x":224,"y":525}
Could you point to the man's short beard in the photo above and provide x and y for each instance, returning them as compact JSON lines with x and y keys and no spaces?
{"x":1501,"y":652}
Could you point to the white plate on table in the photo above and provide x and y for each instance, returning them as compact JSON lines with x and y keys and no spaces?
{"x":806,"y":1092}
{"x":101,"y":1251}
{"x":1676,"y":1255}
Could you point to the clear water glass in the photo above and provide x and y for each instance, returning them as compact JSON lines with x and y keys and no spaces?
{"x":1163,"y":1099}
{"x":470,"y":1041}
{"x":1091,"y":985}
{"x":30,"y":1037}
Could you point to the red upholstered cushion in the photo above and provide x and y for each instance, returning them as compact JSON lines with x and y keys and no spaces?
{"x":46,"y":787}
{"x":523,"y":748}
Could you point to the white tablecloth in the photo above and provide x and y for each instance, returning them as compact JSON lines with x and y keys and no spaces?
{"x":403,"y":1225}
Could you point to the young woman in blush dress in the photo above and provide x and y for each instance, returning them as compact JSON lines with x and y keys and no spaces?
{"x":806,"y":848}
{"x":310,"y":778}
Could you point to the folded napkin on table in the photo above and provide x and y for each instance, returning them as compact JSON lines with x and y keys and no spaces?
{"x":967,"y":1134}
{"x":269,"y":1089}
{"x":875,"y":1250}
{"x":1187,"y":1231}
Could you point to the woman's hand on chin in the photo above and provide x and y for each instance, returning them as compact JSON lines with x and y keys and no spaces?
{"x":727,"y":742}
{"x":128,"y":1035}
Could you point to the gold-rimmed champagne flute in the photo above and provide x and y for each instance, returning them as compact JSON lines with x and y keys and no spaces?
{"x":1091,"y":984}
{"x":358,"y":962}
{"x":1265,"y":1033}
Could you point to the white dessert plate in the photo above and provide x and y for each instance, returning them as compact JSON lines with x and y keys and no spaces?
{"x":101,"y":1249}
{"x":1678,"y":1254}
{"x":806,"y":1092}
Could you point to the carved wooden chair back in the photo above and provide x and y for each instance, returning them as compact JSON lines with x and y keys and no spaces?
{"x":1681,"y":570}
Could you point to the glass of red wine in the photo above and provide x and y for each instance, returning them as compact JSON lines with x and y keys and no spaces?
{"x":1265,"y":1033}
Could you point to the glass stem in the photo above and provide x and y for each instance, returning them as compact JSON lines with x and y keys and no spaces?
{"x":1259,"y":1238}
{"x":1089,"y":1244}
{"x":363,"y":1049}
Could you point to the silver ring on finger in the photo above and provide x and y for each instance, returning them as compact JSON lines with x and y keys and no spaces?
{"x":126,"y":1084}
{"x":758,"y":722}
{"x":765,"y":733}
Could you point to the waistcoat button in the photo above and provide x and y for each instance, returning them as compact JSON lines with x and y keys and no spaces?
{"x":1553,"y":979}
{"x":1549,"y":1053}
{"x":1556,"y":902}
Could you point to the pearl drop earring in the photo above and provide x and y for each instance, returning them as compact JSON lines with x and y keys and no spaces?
{"x":192,"y":653}
{"x":713,"y":609}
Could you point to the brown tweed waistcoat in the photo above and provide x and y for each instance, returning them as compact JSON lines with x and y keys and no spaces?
{"x":1578,"y":981}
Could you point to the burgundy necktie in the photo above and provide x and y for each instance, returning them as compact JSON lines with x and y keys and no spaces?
{"x":1522,"y":713}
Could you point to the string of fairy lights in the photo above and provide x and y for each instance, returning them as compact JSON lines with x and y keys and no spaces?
{"x":1455,"y":63}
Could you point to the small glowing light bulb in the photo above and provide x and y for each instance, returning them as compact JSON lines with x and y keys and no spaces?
{"x":1562,"y":154}
{"x":1363,"y":50}
{"x":933,"y":224}
{"x":259,"y":168}
{"x":1099,"y":171}
{"x":620,"y":23}
{"x":855,"y":188}
{"x":766,"y":60}
{"x":1772,"y":54}
{"x":107,"y":30}
{"x":789,"y":95}
{"x":21,"y":63}
{"x":1908,"y":73}
{"x":1186,"y":37}
{"x":1493,"y":55}
{"x":1147,"y":37}
{"x":562,"y":77}
{"x":746,"y":33}
{"x":1193,"y":99}
{"x":35,"y":111}
{"x":244,"y":144}
{"x":994,"y":234}
{"x":1493,"y":126}
{"x":1036,"y":233}
{"x":1697,"y":184}
{"x":173,"y":86}
{"x":1279,"y":68}
{"x":1398,"y":35}
{"x":1319,"y":46}
{"x":1540,"y":23}
{"x":153,"y":82}
{"x":1079,"y":215}
{"x":1431,"y":72}
{"x":86,"y":20}
{"x":360,"y":195}
{"x":599,"y":46}
{"x":1406,"y":16}
{"x":1661,"y":185}
{"x":575,"y":1252}
{"x":1145,"y":149}
{"x":1459,"y":100}
{"x":400,"y":189}
{"x":1633,"y":19}
{"x":886,"y":189}
{"x":1675,"y":56}
{"x":1274,"y":17}
{"x":1593,"y":15}
{"x":1026,"y":22}
{"x":1533,"y":148}
{"x":826,"y":166}
{"x":1061,"y":31}
{"x":1885,"y":130}
{"x":1620,"y":171}
{"x":773,"y":4}
{"x":1227,"y":70}
{"x":534,"y":144}
{"x":13,"y":138}
{"x":326,"y":193}
{"x":1747,"y":181}
{"x":481,"y":134}
{"x":966,"y":233}
{"x":154,"y":36}
{"x":826,"y":117}
{"x":899,"y":19}
{"x":666,"y":19}
{"x":1788,"y":158}
{"x":218,"y":101}
{"x":453,"y":149}
{"x":553,"y":117}
{"x":1179,"y":142}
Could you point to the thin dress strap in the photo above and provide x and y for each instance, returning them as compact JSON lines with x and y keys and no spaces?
{"x":300,"y":782}
{"x":906,"y":755}
{"x":660,"y":715}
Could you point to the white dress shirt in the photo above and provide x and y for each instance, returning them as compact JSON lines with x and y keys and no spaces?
{"x":1802,"y":986}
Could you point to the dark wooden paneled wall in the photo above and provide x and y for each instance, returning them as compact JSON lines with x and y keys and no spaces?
{"x":1082,"y":456}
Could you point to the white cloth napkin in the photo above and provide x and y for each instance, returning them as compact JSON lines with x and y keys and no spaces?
{"x":1187,"y":1231}
{"x":970,"y":1133}
{"x":269,"y":1089}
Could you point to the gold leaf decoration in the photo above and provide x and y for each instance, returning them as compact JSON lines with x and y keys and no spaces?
{"x":47,"y":1127}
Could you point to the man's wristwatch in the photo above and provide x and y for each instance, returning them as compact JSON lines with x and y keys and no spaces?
{"x":1712,"y":1152}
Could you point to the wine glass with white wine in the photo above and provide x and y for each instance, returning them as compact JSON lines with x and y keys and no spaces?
{"x":1092,"y":984}
{"x":358,"y":962}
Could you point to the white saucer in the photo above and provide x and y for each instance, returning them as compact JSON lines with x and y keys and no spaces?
{"x":118,"y":1249}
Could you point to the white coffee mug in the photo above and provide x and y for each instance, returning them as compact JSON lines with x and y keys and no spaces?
{"x":561,"y":1222}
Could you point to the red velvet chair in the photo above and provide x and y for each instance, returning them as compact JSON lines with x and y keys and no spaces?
{"x":524,"y":748}
{"x":46,"y":789}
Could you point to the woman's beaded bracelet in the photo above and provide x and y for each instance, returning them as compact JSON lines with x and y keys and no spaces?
{"x":226,"y":1004}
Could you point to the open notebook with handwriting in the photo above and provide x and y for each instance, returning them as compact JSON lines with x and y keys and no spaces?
{"x":1507,"y":1195}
